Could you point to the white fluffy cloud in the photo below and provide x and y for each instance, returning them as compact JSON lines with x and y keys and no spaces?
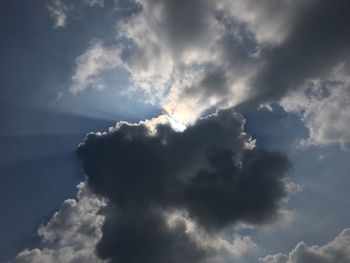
{"x":96,"y":59}
{"x":71,"y":234}
{"x":338,"y":250}
{"x":324,"y":107}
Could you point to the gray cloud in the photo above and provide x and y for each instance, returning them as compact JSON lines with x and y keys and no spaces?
{"x":195,"y":55}
{"x":317,"y":42}
{"x":190,"y":56}
{"x":210,"y":171}
{"x":184,"y":32}
{"x":323,"y":105}
{"x":61,"y":11}
{"x":335,"y":251}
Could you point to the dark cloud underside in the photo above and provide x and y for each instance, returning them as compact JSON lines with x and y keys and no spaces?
{"x":206,"y":171}
{"x":318,"y":41}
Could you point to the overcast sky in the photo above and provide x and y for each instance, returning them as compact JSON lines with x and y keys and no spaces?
{"x":190,"y":131}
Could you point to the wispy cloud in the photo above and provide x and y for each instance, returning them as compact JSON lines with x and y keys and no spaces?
{"x":59,"y":12}
{"x":96,"y":59}
{"x":62,"y":10}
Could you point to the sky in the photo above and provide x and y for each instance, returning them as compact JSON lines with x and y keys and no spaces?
{"x":190,"y":131}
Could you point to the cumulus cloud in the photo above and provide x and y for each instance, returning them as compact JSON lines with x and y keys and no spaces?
{"x":211,"y":172}
{"x":181,"y":63}
{"x":338,"y":250}
{"x":317,"y":42}
{"x":71,"y":234}
{"x":269,"y":21}
{"x":157,"y":194}
{"x":191,"y":56}
{"x":324,"y":106}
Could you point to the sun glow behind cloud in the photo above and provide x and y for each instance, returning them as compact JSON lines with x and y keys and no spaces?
{"x":171,"y":73}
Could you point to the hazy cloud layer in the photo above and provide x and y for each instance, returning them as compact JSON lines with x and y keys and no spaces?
{"x":338,"y":250}
{"x":210,"y":173}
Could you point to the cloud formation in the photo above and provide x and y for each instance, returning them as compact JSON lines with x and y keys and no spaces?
{"x":338,"y":250}
{"x":170,"y":189}
{"x":324,"y":107}
{"x":71,"y":234}
{"x":58,"y":11}
{"x":178,"y":62}
{"x":210,"y":173}
{"x":226,"y":53}
{"x":317,"y":41}
{"x":62,"y":10}
{"x":95,"y":60}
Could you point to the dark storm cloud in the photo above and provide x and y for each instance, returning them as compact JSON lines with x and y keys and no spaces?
{"x":206,"y":171}
{"x":318,"y":41}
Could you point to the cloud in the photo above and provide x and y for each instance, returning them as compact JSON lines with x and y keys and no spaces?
{"x":323,"y":105}
{"x":59,"y":11}
{"x":99,"y":3}
{"x":269,"y":21}
{"x":71,"y":234}
{"x":335,"y":251}
{"x":166,"y":195}
{"x":226,"y":53}
{"x":191,"y":57}
{"x":317,"y":41}
{"x":96,"y":59}
{"x":178,"y":62}
{"x":211,"y":173}
{"x":218,"y":248}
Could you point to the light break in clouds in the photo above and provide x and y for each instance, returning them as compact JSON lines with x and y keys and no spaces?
{"x":173,"y":187}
